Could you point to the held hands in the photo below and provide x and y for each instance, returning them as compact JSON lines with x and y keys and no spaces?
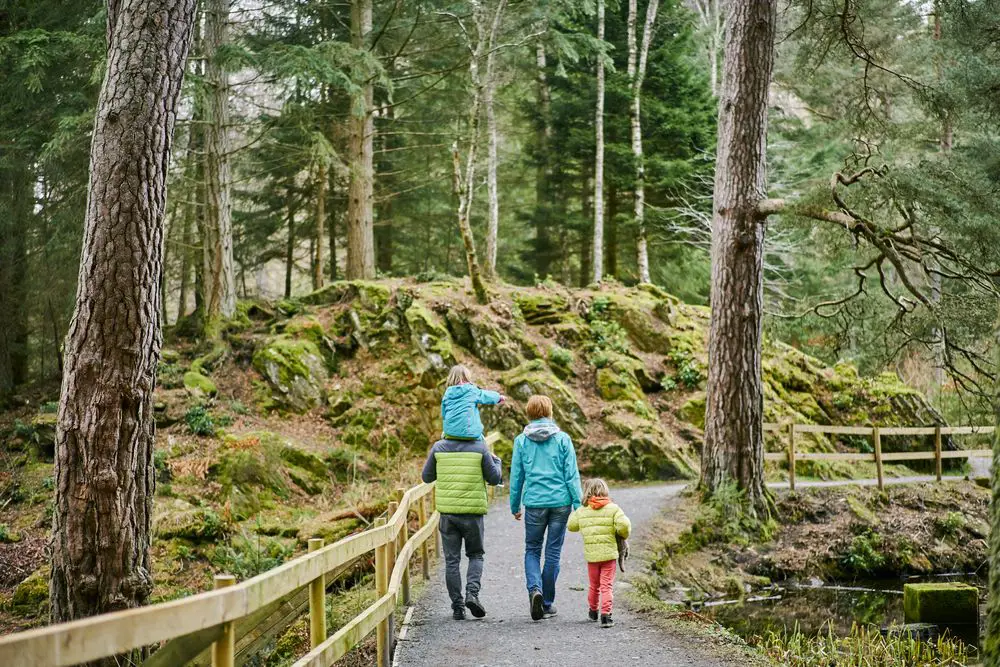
{"x":503,"y":399}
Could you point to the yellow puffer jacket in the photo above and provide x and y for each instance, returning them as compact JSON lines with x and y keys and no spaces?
{"x":599,"y":528}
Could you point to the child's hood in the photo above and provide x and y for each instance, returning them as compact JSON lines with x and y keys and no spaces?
{"x":597,"y":502}
{"x":457,"y":391}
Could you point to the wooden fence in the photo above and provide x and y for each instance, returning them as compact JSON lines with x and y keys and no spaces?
{"x":228,"y":622}
{"x":791,"y":457}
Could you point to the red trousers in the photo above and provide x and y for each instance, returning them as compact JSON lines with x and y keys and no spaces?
{"x":602,"y":583}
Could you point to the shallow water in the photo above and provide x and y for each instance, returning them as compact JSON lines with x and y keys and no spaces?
{"x":813,"y":607}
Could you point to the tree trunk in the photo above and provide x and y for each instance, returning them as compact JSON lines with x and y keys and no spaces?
{"x":290,"y":246}
{"x":383,"y":228}
{"x":733,"y":449}
{"x":586,"y":230}
{"x":220,"y":278}
{"x":16,"y":185}
{"x":543,"y":169}
{"x":317,"y":264}
{"x":493,"y":222}
{"x":464,"y":227}
{"x":598,"y":252}
{"x":104,"y":439}
{"x":360,"y":199}
{"x":611,"y":244}
{"x":636,"y":75}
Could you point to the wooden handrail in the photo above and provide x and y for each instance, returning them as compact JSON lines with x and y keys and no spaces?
{"x":111,"y":634}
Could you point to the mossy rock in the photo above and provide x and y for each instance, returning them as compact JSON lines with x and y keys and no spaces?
{"x":489,"y":342}
{"x":542,"y":308}
{"x":372,"y":296}
{"x":295,"y":371}
{"x":693,"y":411}
{"x":199,"y":386}
{"x":949,"y":603}
{"x":307,"y":461}
{"x":43,"y":436}
{"x":430,"y":336}
{"x":328,"y":528}
{"x":31,"y":597}
{"x":633,"y":312}
{"x":309,"y":328}
{"x":647,"y":453}
{"x":174,"y":518}
{"x":534,"y":377}
{"x":619,"y":380}
{"x":571,"y":332}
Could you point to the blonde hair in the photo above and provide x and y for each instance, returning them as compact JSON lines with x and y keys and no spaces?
{"x":459,"y":374}
{"x":538,"y":407}
{"x":595,"y":487}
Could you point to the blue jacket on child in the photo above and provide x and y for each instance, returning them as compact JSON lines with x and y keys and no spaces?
{"x":460,"y":410}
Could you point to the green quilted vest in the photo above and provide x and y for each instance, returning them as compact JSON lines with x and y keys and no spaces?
{"x":460,"y":485}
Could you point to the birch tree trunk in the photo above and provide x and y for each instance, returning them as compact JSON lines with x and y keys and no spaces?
{"x":219,"y":276}
{"x":598,"y":249}
{"x":636,"y":75}
{"x":360,"y":189}
{"x":733,"y":449}
{"x":104,"y":438}
{"x":493,"y":222}
{"x":317,"y":281}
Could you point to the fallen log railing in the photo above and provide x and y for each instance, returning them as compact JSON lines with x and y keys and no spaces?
{"x":877,"y":456}
{"x":211,"y":626}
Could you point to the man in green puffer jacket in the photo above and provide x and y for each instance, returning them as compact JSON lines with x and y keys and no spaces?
{"x":462,"y":468}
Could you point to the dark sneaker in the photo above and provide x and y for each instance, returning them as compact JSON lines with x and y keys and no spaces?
{"x":549,"y":611}
{"x":477,"y":609}
{"x":537,"y":607}
{"x":458,"y":613}
{"x":592,"y":614}
{"x":607,"y":621}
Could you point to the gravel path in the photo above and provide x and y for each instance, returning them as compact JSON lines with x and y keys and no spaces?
{"x":508,"y":636}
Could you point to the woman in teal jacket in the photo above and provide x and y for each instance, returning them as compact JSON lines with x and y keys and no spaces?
{"x":545,"y":480}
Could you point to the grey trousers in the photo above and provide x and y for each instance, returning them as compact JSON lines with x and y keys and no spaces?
{"x":456,"y":528}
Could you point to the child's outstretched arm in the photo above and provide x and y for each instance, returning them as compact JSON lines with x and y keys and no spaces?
{"x":487,"y":397}
{"x":623,"y":526}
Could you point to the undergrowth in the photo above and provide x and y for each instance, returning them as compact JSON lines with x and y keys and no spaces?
{"x":725,"y":518}
{"x":865,"y":646}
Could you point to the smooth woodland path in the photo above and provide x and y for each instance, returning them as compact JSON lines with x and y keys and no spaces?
{"x":508,"y":636}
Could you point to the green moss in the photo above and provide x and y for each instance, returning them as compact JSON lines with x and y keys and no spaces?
{"x":177,"y":519}
{"x":329,"y":528}
{"x":542,"y":307}
{"x":941,"y":603}
{"x":31,"y":596}
{"x":429,"y":335}
{"x":295,"y":371}
{"x":199,"y":386}
{"x":534,"y":377}
{"x":372,"y":296}
{"x":618,"y":383}
{"x":693,"y":411}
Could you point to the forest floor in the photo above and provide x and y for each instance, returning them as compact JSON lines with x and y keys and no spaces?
{"x":508,"y":636}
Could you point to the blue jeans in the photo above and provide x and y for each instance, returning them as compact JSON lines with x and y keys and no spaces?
{"x":538,"y":521}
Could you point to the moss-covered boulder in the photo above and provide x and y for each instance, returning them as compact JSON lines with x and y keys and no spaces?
{"x":330,"y":526}
{"x":492,"y":343}
{"x":295,"y":371}
{"x":542,"y":308}
{"x":948,"y":603}
{"x":199,"y":386}
{"x":370,"y":295}
{"x":43,"y":436}
{"x":429,"y":335}
{"x":619,"y":380}
{"x":534,"y":377}
{"x":644,"y":450}
{"x":31,"y":596}
{"x":693,"y":411}
{"x":174,"y":518}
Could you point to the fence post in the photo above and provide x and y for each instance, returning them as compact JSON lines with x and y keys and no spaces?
{"x":317,"y":602}
{"x":425,"y":566}
{"x":937,"y":450}
{"x":383,"y":657}
{"x":404,"y":537}
{"x":437,"y":533}
{"x":877,"y":437}
{"x":390,"y":565}
{"x":791,"y":456}
{"x":224,"y":648}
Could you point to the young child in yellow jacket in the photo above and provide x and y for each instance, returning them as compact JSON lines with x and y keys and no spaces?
{"x":601,"y":523}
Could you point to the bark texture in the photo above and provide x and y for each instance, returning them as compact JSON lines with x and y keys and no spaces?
{"x":493,"y":221}
{"x":219,"y":274}
{"x":544,"y":247}
{"x":636,"y":75}
{"x":104,"y":440}
{"x":317,"y":263}
{"x":360,"y":194}
{"x":598,"y":249}
{"x":733,"y":449}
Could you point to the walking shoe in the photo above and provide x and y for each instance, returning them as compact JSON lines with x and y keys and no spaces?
{"x":549,"y":611}
{"x":458,"y":613}
{"x":472,"y":602}
{"x":607,"y":621}
{"x":537,"y":607}
{"x":592,"y":614}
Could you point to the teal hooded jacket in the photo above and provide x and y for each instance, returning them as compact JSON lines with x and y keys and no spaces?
{"x":543,"y":470}
{"x":460,"y":410}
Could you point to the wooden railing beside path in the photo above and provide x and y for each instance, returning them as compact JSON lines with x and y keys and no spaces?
{"x":213,"y":621}
{"x":791,"y":457}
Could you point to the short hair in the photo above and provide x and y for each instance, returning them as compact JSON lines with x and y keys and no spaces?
{"x":539,"y":406}
{"x":595,"y":487}
{"x":459,"y":374}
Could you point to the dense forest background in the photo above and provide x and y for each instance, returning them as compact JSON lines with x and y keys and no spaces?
{"x":288,"y":104}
